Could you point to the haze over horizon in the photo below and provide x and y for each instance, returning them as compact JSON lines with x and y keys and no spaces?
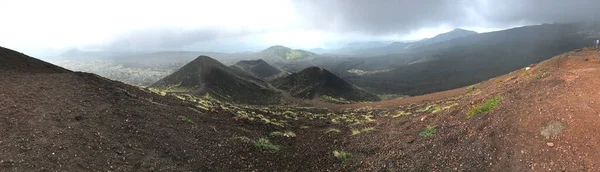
{"x":254,"y":25}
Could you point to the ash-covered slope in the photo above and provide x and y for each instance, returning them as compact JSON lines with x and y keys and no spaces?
{"x":16,"y":61}
{"x":73,"y":121}
{"x":56,"y":120}
{"x":207,"y":75}
{"x":315,"y":82}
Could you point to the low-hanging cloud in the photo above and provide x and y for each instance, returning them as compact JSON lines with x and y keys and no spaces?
{"x":177,"y":24}
{"x":169,"y":38}
{"x":402,"y":16}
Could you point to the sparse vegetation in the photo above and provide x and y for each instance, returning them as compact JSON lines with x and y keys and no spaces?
{"x":186,"y":119}
{"x":334,"y":100}
{"x":265,"y":144}
{"x":364,"y":130}
{"x":542,"y":75}
{"x":430,"y":130}
{"x":283,"y":134}
{"x":332,"y":130}
{"x":391,"y":96}
{"x":355,"y":131}
{"x":156,"y":91}
{"x":471,"y":88}
{"x":484,"y":107}
{"x":368,"y":129}
{"x":400,"y":114}
{"x":342,"y":156}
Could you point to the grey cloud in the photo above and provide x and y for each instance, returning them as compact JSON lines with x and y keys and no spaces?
{"x":169,"y":38}
{"x":369,"y":18}
{"x":400,"y":16}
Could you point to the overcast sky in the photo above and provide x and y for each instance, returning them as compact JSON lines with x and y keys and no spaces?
{"x":41,"y":27}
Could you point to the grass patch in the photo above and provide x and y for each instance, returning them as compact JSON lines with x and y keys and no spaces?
{"x":157,"y":91}
{"x":364,"y":130}
{"x":401,"y":113}
{"x":355,"y":131}
{"x":283,"y":134}
{"x":342,"y":156}
{"x":186,"y":119}
{"x":334,"y":100}
{"x":391,"y":96}
{"x":368,"y":130}
{"x":471,"y":88}
{"x":429,"y":131}
{"x":483,"y":107}
{"x":266,"y":145}
{"x":332,"y":130}
{"x":542,"y":75}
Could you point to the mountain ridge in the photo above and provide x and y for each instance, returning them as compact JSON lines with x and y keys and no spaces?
{"x":315,"y":82}
{"x":207,"y":75}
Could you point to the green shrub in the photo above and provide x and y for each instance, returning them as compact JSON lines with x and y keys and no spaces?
{"x":265,"y":144}
{"x":342,"y":156}
{"x":429,"y":131}
{"x":484,"y":107}
{"x":471,"y":88}
{"x":186,"y":119}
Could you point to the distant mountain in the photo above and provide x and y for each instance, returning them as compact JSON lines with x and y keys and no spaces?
{"x":286,"y":53}
{"x":15,"y":61}
{"x":207,"y":75}
{"x":456,"y":33}
{"x":320,"y":50}
{"x":258,"y":68}
{"x":470,"y":59}
{"x":352,"y":48}
{"x":315,"y":82}
{"x":405,"y":47}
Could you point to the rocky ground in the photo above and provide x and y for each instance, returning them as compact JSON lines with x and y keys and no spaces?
{"x":540,"y":119}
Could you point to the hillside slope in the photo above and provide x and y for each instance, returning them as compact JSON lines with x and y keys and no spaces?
{"x":206,"y":75}
{"x":286,"y":53}
{"x":471,"y":59}
{"x":12,"y":60}
{"x":258,"y":68}
{"x":316,"y":82}
{"x":72,"y":121}
{"x":540,"y":120}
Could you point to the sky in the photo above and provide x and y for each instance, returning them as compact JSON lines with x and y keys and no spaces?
{"x":43,"y":28}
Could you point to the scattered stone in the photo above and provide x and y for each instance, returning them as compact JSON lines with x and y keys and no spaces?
{"x":553,"y":128}
{"x":550,"y":144}
{"x":410,"y":139}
